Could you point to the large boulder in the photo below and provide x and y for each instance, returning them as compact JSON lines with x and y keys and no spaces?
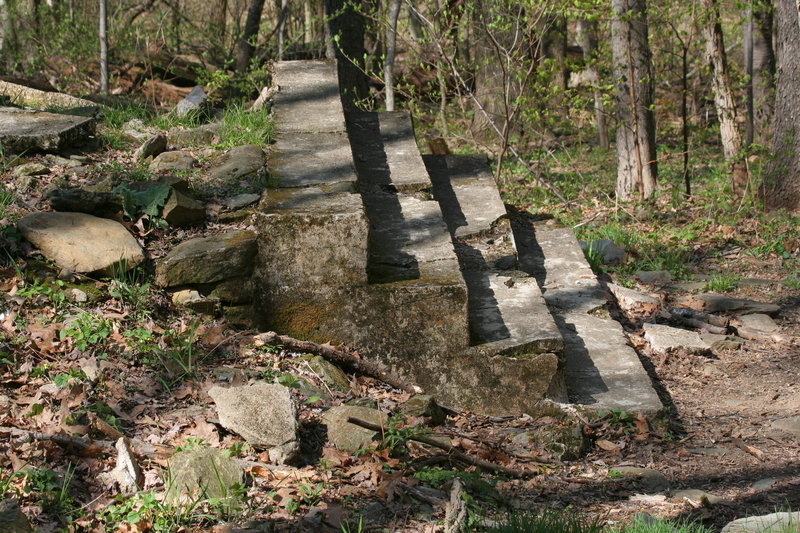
{"x":82,"y":243}
{"x":208,"y":259}
{"x":203,"y":473}
{"x":264,"y":414}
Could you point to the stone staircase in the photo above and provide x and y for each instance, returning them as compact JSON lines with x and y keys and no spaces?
{"x":414,"y":261}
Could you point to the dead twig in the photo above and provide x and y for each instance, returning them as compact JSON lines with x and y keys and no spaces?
{"x":339,"y":357}
{"x":486,"y":465}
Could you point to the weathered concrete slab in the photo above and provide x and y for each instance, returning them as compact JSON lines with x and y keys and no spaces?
{"x":717,"y":303}
{"x":466,"y":192}
{"x":666,"y":338}
{"x":22,"y":130}
{"x":34,"y":98}
{"x":303,"y":159}
{"x":308,"y":97}
{"x":387,"y":158}
{"x":602,"y":369}
{"x":508,"y":314}
{"x":408,"y":239}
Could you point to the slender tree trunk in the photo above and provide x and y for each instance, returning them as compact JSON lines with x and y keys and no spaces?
{"x":282,"y":14}
{"x":391,"y":45}
{"x":723,"y":96}
{"x":246,"y":41}
{"x":760,"y":68}
{"x":103,"y":49}
{"x":217,"y":28}
{"x":637,"y":170}
{"x":781,"y":186}
{"x":587,"y":38}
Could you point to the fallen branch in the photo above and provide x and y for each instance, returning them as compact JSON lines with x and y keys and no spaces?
{"x":686,"y":313}
{"x":486,"y":465}
{"x":77,"y":443}
{"x":340,"y":357}
{"x":758,"y":335}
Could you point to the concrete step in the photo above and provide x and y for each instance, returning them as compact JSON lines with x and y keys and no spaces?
{"x":602,"y":370}
{"x":507,"y":314}
{"x":307,"y":99}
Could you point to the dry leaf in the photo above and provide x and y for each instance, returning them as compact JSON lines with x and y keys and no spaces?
{"x":642,"y":428}
{"x":607,"y":445}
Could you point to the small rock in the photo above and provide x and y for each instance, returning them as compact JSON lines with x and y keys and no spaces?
{"x":758,"y":321}
{"x":665,"y":338}
{"x":632,"y":301}
{"x":194,"y":101}
{"x":764,"y":484}
{"x":235,"y":291}
{"x":649,"y":480}
{"x":654,"y":277}
{"x":350,"y":437}
{"x":151,"y":147}
{"x":82,"y":243}
{"x":696,"y":496}
{"x":263,"y":414}
{"x":208,"y":260}
{"x":789,"y":424}
{"x":611,"y":253}
{"x":54,"y":159}
{"x":30,"y":169}
{"x":425,"y":405}
{"x":716,"y":303}
{"x":12,"y":519}
{"x":329,"y":373}
{"x":183,"y":297}
{"x":173,"y":161}
{"x":182,"y":210}
{"x":240,"y":200}
{"x":183,"y":137}
{"x":203,"y":472}
{"x":137,"y":129}
{"x":239,"y":163}
{"x":764,"y":524}
{"x":77,"y":296}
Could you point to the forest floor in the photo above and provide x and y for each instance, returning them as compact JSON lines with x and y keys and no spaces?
{"x":142,"y":368}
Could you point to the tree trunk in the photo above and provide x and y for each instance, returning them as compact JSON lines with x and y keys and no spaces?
{"x":103,"y":49}
{"x":781,"y":186}
{"x":391,"y":46}
{"x":587,"y":39}
{"x":217,"y":28}
{"x":250,"y":34}
{"x":723,"y":96}
{"x":282,"y":14}
{"x":760,"y":68}
{"x":637,"y":170}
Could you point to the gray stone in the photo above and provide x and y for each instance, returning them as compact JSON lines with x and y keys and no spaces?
{"x":244,"y":316}
{"x":77,"y":296}
{"x":771,"y":523}
{"x":789,"y":424}
{"x":632,"y":301}
{"x":240,"y":200}
{"x":716,"y":303}
{"x":173,"y":161}
{"x":609,"y":252}
{"x":200,"y":136}
{"x":665,"y":338}
{"x":203,"y":472}
{"x":208,"y":259}
{"x":329,"y":373}
{"x":193,"y":102}
{"x":22,"y":130}
{"x":242,"y":162}
{"x":54,"y":159}
{"x":233,"y":291}
{"x":30,"y":169}
{"x":425,"y":405}
{"x":312,"y":159}
{"x":350,"y":437}
{"x":81,"y":242}
{"x":764,"y":484}
{"x":647,"y":479}
{"x":138,"y":130}
{"x":264,"y":414}
{"x":38,"y":99}
{"x":760,"y":322}
{"x":308,"y":97}
{"x":653,"y":277}
{"x":696,"y":496}
{"x":181,"y":210}
{"x":12,"y":519}
{"x":192,"y":299}
{"x":77,"y":200}
{"x":151,"y":147}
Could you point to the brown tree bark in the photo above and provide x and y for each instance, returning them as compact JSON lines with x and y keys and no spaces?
{"x":246,"y":46}
{"x":760,"y":68}
{"x":781,"y":187}
{"x":587,"y":39}
{"x":724,"y":101}
{"x":637,"y":171}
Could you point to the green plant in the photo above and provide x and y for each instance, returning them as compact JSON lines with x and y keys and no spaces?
{"x":395,"y":435}
{"x":74,"y":375}
{"x":52,"y":492}
{"x":148,"y":201}
{"x":545,"y":522}
{"x":290,"y":381}
{"x":594,"y":256}
{"x":191,"y":444}
{"x":51,"y":291}
{"x":722,"y":283}
{"x":311,"y":494}
{"x":648,"y":525}
{"x":85,"y":330}
{"x":241,"y":126}
{"x":359,"y":527}
{"x":6,"y":198}
{"x":619,"y":418}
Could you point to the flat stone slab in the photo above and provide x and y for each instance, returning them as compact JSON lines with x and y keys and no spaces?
{"x":633,"y":301}
{"x":81,"y":242}
{"x":308,"y":97}
{"x":408,"y":239}
{"x":207,"y":259}
{"x":467,"y":193}
{"x":387,"y":158}
{"x":764,"y":524}
{"x":22,"y":130}
{"x":666,"y":338}
{"x":30,"y":97}
{"x":305,"y":159}
{"x":716,"y":303}
{"x":760,"y":322}
{"x":509,"y":314}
